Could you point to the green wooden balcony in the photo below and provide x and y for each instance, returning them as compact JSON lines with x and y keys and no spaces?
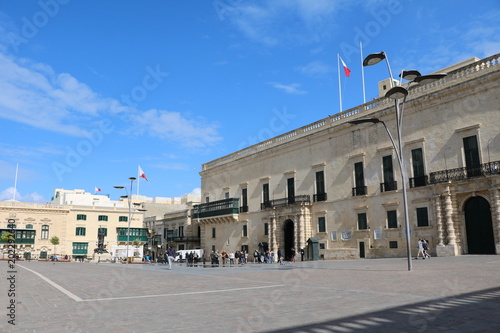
{"x":217,"y":208}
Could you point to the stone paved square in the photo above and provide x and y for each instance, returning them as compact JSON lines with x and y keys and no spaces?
{"x":454,"y":294}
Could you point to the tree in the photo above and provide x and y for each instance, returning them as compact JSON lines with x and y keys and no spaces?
{"x":54,"y":241}
{"x":7,"y":237}
{"x":136,"y":244}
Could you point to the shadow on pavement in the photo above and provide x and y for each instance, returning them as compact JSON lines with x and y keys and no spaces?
{"x":471,"y":312}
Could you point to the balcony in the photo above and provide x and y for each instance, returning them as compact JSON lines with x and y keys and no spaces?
{"x":80,"y":251}
{"x":361,"y":190}
{"x":461,"y":174}
{"x":217,"y":208}
{"x":183,"y":239}
{"x":135,"y":233}
{"x":319,"y":197}
{"x":388,"y":186}
{"x":294,"y":200}
{"x":419,"y":181}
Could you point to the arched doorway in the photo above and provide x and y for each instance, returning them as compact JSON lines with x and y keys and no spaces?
{"x":288,"y":232}
{"x":479,"y":227}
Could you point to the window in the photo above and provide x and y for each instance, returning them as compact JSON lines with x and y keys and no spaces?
{"x":102,"y":218}
{"x":123,"y":219}
{"x":29,"y":226}
{"x":422,"y":217}
{"x":266,"y":229}
{"x":359,"y":179}
{"x":417,"y":161}
{"x":333,"y":235}
{"x":389,"y":184}
{"x":362,"y":223}
{"x":321,"y":224}
{"x":320,"y":186}
{"x":45,"y":232}
{"x":103,"y":230}
{"x":471,"y":151}
{"x":321,"y":246}
{"x":80,"y":231}
{"x":244,"y":248}
{"x":181,"y":231}
{"x":392,"y":219}
{"x":213,"y":232}
{"x":291,"y":190}
{"x":265,"y":193}
{"x":244,"y":200}
{"x":207,"y":199}
{"x":81,"y":217}
{"x":393,"y":244}
{"x":213,"y":248}
{"x":226,"y":195}
{"x":245,"y":230}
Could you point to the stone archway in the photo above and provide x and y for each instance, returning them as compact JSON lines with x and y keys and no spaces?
{"x":479,"y":227}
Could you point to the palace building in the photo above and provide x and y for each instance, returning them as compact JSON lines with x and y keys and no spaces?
{"x":334,"y":188}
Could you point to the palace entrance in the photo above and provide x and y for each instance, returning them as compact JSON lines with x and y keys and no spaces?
{"x":479,"y":227}
{"x":288,"y":233}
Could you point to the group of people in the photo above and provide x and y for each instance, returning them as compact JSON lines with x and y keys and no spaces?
{"x":423,"y":249}
{"x":230,"y":258}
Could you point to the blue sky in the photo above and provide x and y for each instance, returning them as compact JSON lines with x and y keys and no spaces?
{"x":89,"y":90}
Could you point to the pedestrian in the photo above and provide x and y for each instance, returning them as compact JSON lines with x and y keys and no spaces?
{"x":280,"y":255}
{"x":302,"y":252}
{"x":292,"y":255}
{"x":425,"y":244}
{"x":170,"y":257}
{"x":420,"y":249}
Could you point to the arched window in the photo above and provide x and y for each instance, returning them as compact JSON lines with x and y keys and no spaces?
{"x":29,"y":226}
{"x":45,"y":231}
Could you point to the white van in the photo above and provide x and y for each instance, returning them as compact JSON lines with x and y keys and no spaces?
{"x":178,"y":254}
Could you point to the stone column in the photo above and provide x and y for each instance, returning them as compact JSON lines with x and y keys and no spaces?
{"x":495,"y":214}
{"x":272,"y":235}
{"x":439,"y":220}
{"x":450,"y":249}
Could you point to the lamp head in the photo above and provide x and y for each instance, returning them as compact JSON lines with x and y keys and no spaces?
{"x":374,"y":58}
{"x":410,"y":75}
{"x":119,"y":187}
{"x":397,"y":92}
{"x":424,"y":79}
{"x":365,"y":120}
{"x":132,"y":178}
{"x":124,"y":196}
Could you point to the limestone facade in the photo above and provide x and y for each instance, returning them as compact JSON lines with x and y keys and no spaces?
{"x":340,"y":184}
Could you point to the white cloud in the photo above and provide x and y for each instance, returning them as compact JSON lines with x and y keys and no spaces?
{"x":315,"y":69}
{"x":173,"y":126}
{"x":8,"y":194}
{"x":33,"y":94}
{"x":196,"y":191}
{"x":292,"y":88}
{"x":284,"y":21}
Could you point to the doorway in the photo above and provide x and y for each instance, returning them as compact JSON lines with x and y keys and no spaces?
{"x":288,"y":232}
{"x":361,"y":249}
{"x":479,"y":226}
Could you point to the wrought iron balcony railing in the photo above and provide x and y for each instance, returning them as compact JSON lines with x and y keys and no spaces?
{"x":294,"y":200}
{"x":319,"y":197}
{"x":419,"y":181}
{"x":388,"y":186}
{"x":361,"y":190}
{"x":217,"y":208}
{"x":460,"y":174}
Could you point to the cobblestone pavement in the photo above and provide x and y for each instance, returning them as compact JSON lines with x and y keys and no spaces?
{"x":457,"y":294}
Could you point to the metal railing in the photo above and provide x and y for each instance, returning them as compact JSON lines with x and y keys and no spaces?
{"x":460,"y":174}
{"x":293,"y":200}
{"x":388,"y":186}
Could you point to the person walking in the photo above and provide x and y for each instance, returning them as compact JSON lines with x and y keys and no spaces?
{"x":170,"y":257}
{"x":425,"y":244}
{"x":420,"y":249}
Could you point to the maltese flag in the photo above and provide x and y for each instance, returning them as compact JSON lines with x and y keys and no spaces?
{"x":97,"y":189}
{"x":347,"y":71}
{"x":142,"y":174}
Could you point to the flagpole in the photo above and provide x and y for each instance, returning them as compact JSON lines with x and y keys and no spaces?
{"x":15,"y":183}
{"x":138,"y":181}
{"x":362,"y":71}
{"x":340,"y":88}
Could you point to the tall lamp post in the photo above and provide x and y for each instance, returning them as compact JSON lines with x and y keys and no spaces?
{"x":129,"y":196}
{"x":399,"y":94}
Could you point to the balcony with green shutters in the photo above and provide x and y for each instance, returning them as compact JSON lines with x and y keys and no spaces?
{"x":217,"y":208}
{"x":135,"y":233}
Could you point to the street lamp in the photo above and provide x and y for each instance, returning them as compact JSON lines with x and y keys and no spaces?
{"x":129,"y":196}
{"x":398,"y":93}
